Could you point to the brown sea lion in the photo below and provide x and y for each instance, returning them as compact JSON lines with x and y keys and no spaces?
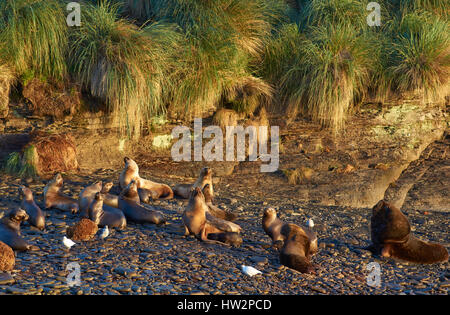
{"x":214,"y":210}
{"x":36,"y":215}
{"x":83,"y":230}
{"x":87,"y":196}
{"x":131,"y":172}
{"x":272,"y":225}
{"x":391,"y":237}
{"x":109,"y":199}
{"x":7,"y":257}
{"x":146,"y":195}
{"x":299,"y":245}
{"x":133,"y":210}
{"x":54,"y":198}
{"x":195,"y":222}
{"x":205,"y":177}
{"x":10,"y":230}
{"x":230,"y":238}
{"x":104,"y":215}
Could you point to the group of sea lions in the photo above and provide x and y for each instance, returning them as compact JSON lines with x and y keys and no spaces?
{"x":97,"y":207}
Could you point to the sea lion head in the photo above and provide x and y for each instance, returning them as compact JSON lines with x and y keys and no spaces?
{"x":18,"y":215}
{"x":98,"y":185}
{"x":196,"y":194}
{"x":130,"y":164}
{"x":205,"y":172}
{"x":25,"y":192}
{"x":269,"y":213}
{"x":107,"y":187}
{"x":58,"y":180}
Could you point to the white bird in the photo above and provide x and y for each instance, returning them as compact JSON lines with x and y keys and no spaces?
{"x":104,"y":232}
{"x":310,"y":223}
{"x":249,"y":270}
{"x":68,"y":242}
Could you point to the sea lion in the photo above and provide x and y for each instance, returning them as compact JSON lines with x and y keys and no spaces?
{"x":231,"y":238}
{"x":195,"y":222}
{"x":10,"y":230}
{"x":146,"y":195}
{"x":7,"y":258}
{"x":36,"y":215}
{"x":133,"y":210}
{"x":272,"y":225}
{"x":205,"y":177}
{"x":214,"y":210}
{"x":83,"y":230}
{"x":104,"y":215}
{"x":54,"y":198}
{"x":131,"y":172}
{"x":299,"y":245}
{"x":86,"y":197}
{"x":391,"y":237}
{"x":109,"y":199}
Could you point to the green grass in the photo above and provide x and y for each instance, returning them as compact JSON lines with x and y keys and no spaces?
{"x":23,"y":165}
{"x":419,"y":58}
{"x":33,"y":36}
{"x":126,"y":66}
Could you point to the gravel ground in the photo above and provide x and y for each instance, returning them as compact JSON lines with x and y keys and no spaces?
{"x":149,"y":259}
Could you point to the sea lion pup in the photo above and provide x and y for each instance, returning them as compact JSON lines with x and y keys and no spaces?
{"x":83,"y":230}
{"x":86,"y":197}
{"x":10,"y":230}
{"x":205,"y":177}
{"x":214,"y":210}
{"x":54,"y":198}
{"x":133,"y":210}
{"x":272,"y":225}
{"x":391,"y":237}
{"x":109,"y":199}
{"x":104,"y":215}
{"x":131,"y":171}
{"x":36,"y":215}
{"x":195,"y":222}
{"x":7,"y":258}
{"x":146,"y":195}
{"x":299,"y":245}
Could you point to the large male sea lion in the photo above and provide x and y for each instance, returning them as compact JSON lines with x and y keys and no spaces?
{"x":7,"y":257}
{"x":54,"y":198}
{"x":131,"y":172}
{"x":391,"y":237}
{"x":86,"y":197}
{"x":272,"y":225}
{"x":299,"y":245}
{"x":36,"y":215}
{"x":205,"y":177}
{"x":10,"y":230}
{"x":133,"y":210}
{"x":83,"y":230}
{"x":196,"y":223}
{"x":104,"y":215}
{"x":214,"y":210}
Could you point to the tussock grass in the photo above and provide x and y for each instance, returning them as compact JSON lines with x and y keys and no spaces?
{"x":126,"y":66}
{"x":23,"y":164}
{"x":33,"y":35}
{"x":419,"y":59}
{"x":331,"y":73}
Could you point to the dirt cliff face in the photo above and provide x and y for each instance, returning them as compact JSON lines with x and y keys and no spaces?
{"x":370,"y":160}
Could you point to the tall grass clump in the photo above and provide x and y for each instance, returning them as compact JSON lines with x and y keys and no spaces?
{"x":33,"y":36}
{"x":224,"y":38}
{"x":439,"y":7}
{"x":419,"y":58}
{"x":126,"y":66}
{"x":332,"y":72}
{"x":23,"y":165}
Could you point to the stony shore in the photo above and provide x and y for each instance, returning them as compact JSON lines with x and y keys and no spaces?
{"x":149,"y":259}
